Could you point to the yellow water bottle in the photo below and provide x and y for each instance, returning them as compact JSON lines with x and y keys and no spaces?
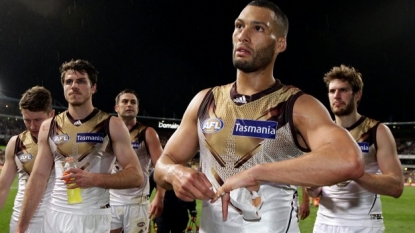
{"x":74,"y":195}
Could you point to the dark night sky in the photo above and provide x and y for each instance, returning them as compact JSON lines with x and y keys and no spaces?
{"x":169,"y":50}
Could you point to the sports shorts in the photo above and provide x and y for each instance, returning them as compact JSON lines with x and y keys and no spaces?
{"x":33,"y":228}
{"x":88,"y":221}
{"x":324,"y":228}
{"x":131,"y":218}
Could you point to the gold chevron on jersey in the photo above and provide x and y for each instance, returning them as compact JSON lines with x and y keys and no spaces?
{"x":135,"y":132}
{"x":229,"y":126}
{"x":236,"y":136}
{"x":25,"y":150}
{"x":89,"y":136}
{"x":364,"y":132}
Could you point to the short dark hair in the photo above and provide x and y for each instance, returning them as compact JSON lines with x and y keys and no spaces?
{"x":81,"y":66}
{"x":282,"y":19}
{"x":345,"y":74}
{"x":36,"y":99}
{"x":130,"y":91}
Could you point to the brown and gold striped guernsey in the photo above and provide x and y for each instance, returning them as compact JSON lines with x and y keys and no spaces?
{"x":235,"y":137}
{"x":89,"y":141}
{"x":25,"y":151}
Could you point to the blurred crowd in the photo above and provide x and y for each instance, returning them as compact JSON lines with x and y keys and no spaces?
{"x":10,"y":126}
{"x":405,"y":146}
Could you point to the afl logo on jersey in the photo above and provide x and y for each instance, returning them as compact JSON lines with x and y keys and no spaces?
{"x":212,"y":125}
{"x":24,"y":158}
{"x":59,"y":139}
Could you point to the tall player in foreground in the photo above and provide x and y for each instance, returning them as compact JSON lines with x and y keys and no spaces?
{"x":258,"y":138}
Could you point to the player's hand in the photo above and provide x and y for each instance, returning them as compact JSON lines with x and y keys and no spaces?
{"x":156,"y":207}
{"x":304,"y":210}
{"x":240,"y":180}
{"x":190,"y":184}
{"x":79,"y":177}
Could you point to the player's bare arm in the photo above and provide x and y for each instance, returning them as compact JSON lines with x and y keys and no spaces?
{"x":37,"y":182}
{"x":8,"y":172}
{"x":334,"y":155}
{"x":304,"y":210}
{"x":171,"y":170}
{"x":131,"y":176}
{"x":153,"y":144}
{"x":390,"y":182}
{"x":155,"y":149}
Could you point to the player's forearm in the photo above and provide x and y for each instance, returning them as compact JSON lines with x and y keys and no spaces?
{"x":305,"y":196}
{"x":384,"y":184}
{"x":163,"y":172}
{"x":318,"y":168}
{"x":130,"y":177}
{"x":4,"y":193}
{"x":160,"y":192}
{"x":35,"y":187}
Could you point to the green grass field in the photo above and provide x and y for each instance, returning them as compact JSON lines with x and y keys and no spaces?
{"x":399,"y":213}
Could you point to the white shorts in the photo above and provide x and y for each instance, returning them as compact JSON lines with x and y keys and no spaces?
{"x":324,"y":228}
{"x":131,"y":218}
{"x":59,"y":222}
{"x":35,"y":224}
{"x":33,"y":228}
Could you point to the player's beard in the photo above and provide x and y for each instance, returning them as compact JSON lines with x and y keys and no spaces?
{"x":349,"y":108}
{"x":79,"y":102}
{"x":260,"y":59}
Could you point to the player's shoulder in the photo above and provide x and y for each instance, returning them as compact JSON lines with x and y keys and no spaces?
{"x":115,"y":122}
{"x":383,"y":129}
{"x":308,"y":103}
{"x":46,"y":124}
{"x":12,"y":141}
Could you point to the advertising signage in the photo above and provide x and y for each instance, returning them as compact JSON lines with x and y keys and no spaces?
{"x":160,"y":124}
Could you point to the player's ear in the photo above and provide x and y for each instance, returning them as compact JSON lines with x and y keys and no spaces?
{"x":358,"y":95}
{"x":94,"y":88}
{"x":51,"y":113}
{"x":281,"y":44}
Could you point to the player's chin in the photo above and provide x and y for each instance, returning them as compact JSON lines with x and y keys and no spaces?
{"x":76,"y":103}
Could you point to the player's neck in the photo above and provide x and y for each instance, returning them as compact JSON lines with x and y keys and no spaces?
{"x":252,"y":83}
{"x":80,"y":111}
{"x":129,"y":122}
{"x":348,"y":120}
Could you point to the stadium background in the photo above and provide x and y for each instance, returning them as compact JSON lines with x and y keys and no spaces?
{"x":399,"y":213}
